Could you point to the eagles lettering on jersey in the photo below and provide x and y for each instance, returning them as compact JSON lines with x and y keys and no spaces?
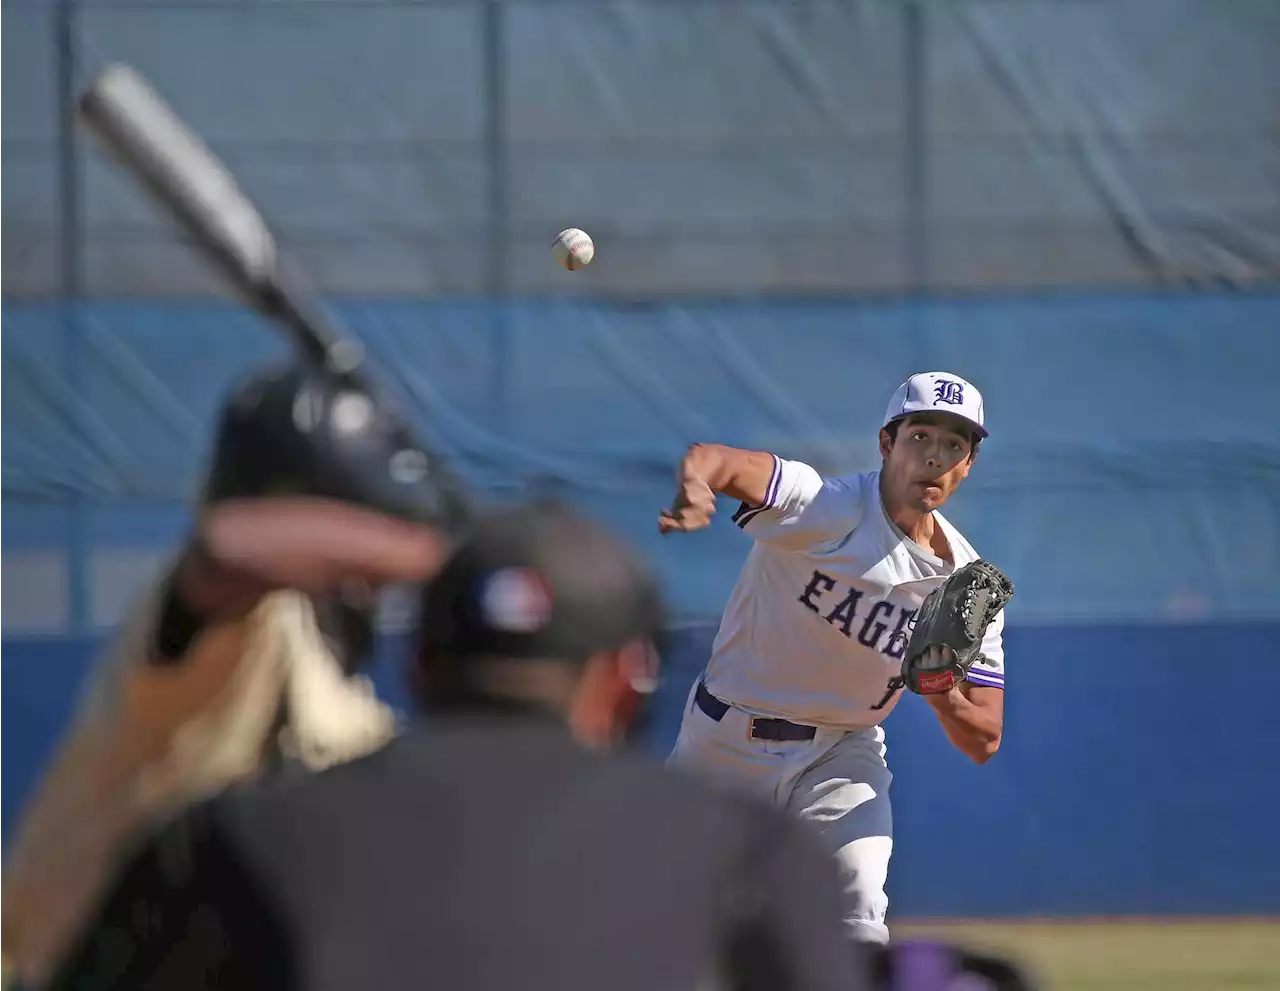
{"x":818,"y":621}
{"x":845,"y":612}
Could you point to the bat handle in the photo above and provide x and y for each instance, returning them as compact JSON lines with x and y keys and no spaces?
{"x":311,"y":330}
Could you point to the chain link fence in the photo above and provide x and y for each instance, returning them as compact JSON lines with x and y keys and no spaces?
{"x":868,"y":146}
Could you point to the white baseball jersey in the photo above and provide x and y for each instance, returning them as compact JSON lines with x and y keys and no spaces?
{"x":815,"y":629}
{"x":148,"y":739}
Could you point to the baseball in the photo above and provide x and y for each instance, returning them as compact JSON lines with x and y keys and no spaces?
{"x":573,"y":249}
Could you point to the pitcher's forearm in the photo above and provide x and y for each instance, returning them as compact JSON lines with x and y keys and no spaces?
{"x":732,"y":471}
{"x":973,"y":728}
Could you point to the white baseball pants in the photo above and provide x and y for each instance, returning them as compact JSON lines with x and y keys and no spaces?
{"x":838,"y":780}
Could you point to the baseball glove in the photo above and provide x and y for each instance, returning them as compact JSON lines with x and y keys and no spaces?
{"x":953,"y":618}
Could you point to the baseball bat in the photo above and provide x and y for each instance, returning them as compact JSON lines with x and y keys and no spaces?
{"x":184,"y":177}
{"x":180,"y":173}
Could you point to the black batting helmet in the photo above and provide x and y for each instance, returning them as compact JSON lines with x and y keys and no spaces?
{"x":304,"y":430}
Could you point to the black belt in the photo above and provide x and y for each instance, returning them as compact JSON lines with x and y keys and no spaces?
{"x":760,"y":727}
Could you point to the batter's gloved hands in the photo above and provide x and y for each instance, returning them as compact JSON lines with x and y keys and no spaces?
{"x":946,"y":639}
{"x":693,"y":506}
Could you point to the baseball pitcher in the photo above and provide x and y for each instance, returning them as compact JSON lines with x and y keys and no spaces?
{"x":856,"y":589}
{"x":240,"y":656}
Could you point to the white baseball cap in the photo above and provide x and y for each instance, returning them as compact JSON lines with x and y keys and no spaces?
{"x":937,"y":392}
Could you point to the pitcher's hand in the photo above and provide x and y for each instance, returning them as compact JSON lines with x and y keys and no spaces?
{"x":692,"y":508}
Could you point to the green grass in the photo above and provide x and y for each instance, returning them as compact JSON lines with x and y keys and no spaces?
{"x":1126,"y":954}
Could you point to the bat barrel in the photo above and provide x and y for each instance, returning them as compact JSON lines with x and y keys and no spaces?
{"x":139,"y":128}
{"x":185,"y":178}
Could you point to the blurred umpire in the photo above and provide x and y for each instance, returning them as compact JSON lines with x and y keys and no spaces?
{"x":498,"y":845}
{"x":239,"y":657}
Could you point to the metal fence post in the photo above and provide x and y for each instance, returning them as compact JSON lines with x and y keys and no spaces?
{"x":916,"y":146}
{"x":71,"y":257}
{"x":498,"y":210}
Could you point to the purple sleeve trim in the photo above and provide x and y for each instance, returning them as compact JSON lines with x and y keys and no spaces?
{"x":746,"y":513}
{"x":989,"y":679}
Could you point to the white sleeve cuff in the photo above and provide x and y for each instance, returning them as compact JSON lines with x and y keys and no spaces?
{"x":746,"y":513}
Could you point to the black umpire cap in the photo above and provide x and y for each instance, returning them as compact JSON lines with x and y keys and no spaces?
{"x":539,"y":582}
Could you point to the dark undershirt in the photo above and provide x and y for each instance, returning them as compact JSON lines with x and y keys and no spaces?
{"x":176,"y":629}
